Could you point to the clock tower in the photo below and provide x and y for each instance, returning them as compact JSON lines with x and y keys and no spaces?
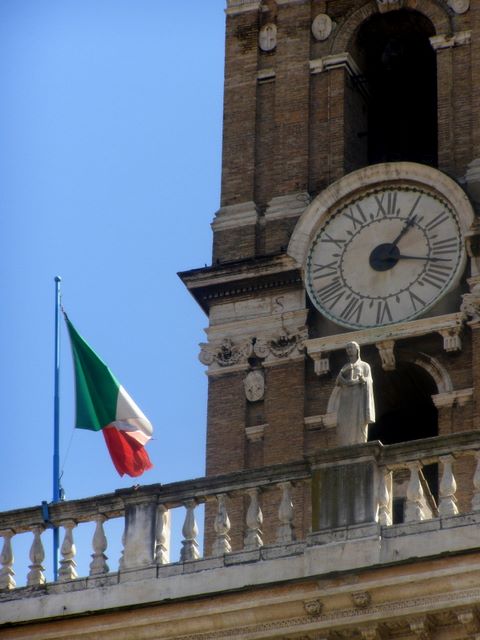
{"x":350,"y":189}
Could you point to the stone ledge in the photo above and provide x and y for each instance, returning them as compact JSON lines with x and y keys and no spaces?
{"x":246,"y":569}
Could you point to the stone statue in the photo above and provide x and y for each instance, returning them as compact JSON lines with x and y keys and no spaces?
{"x":356,"y":407}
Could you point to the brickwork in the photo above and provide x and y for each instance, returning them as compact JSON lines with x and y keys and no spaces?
{"x":289,"y":130}
{"x":241,"y":52}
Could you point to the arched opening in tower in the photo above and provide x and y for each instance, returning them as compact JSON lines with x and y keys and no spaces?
{"x":405,"y":411}
{"x":400,"y":87}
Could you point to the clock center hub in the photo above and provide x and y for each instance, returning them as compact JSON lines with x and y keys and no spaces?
{"x":384,"y":257}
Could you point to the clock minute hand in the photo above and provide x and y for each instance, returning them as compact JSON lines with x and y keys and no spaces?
{"x":408,"y":225}
{"x":432,"y":259}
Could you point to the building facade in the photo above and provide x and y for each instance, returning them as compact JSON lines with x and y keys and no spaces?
{"x":350,"y":195}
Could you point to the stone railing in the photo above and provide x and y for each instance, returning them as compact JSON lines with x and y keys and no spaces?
{"x":369,"y":476}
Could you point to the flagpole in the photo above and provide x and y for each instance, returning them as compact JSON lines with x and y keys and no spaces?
{"x":56,"y":424}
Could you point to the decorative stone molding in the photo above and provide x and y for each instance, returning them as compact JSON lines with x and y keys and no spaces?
{"x":265,"y":75}
{"x":393,"y":5}
{"x":458,"y":398}
{"x":235,"y":215}
{"x":361,"y":599}
{"x":322,"y":26}
{"x":267,"y":37}
{"x":321,"y":364}
{"x":444,"y":41}
{"x":451,"y":339}
{"x":240,"y":6}
{"x":470,"y":307}
{"x":373,"y":633}
{"x":289,"y":206}
{"x":254,"y":384}
{"x":470,"y":620}
{"x":335,"y":61}
{"x":459,"y":6}
{"x":387,"y":357}
{"x":313,"y":607}
{"x":383,"y":337}
{"x":255,"y":433}
{"x":280,"y":346}
{"x":226,"y":354}
{"x":422,"y":628}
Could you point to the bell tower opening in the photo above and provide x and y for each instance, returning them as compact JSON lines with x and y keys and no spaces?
{"x":405,"y":411}
{"x":400,"y":77}
{"x":404,"y":406}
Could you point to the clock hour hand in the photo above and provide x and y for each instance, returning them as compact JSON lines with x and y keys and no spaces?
{"x":431,"y":259}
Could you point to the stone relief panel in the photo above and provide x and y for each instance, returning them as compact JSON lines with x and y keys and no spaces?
{"x":322,"y":27}
{"x":267,"y":37}
{"x":254,"y":384}
{"x":459,"y":6}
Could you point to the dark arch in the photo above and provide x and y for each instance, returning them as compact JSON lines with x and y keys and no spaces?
{"x":404,"y":406}
{"x":400,"y":77}
{"x":405,"y":411}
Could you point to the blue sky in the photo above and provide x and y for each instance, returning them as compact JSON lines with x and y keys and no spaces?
{"x":110,"y":150}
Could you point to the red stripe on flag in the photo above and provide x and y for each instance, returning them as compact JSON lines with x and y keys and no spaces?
{"x":128,"y":455}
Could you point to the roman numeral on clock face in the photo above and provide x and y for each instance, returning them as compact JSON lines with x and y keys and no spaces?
{"x":328,"y":238}
{"x":387,"y":204}
{"x":324,"y":270}
{"x":440,"y":247}
{"x":353,"y":310}
{"x":438,"y":219}
{"x":358,"y":219}
{"x":436,"y":275}
{"x":383,"y":312}
{"x":332,"y":292}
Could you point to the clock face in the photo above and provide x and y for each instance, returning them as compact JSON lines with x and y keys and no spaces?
{"x":383,"y":257}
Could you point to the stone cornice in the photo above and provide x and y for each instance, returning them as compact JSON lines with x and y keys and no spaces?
{"x":399,"y":331}
{"x":241,"y":277}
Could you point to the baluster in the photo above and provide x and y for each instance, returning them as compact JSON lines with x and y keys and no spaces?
{"x":384,"y":513}
{"x":37,"y":554}
{"x":285,"y":532}
{"x":254,"y":519}
{"x":476,"y":484}
{"x":222,"y":527}
{"x":447,"y":488}
{"x":99,"y":565}
{"x":67,"y":569}
{"x":413,"y":509}
{"x":6,"y":560}
{"x":121,"y":562}
{"x":161,"y":549}
{"x":190,"y":531}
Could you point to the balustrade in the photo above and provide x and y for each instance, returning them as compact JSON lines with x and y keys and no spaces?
{"x":147,"y":510}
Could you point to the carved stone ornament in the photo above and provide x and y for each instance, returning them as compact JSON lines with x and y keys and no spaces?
{"x":225,"y":354}
{"x":459,"y":6}
{"x":254,"y":384}
{"x":313,"y":607}
{"x":281,"y":346}
{"x":267,"y":37}
{"x":471,"y":304}
{"x":392,"y":5}
{"x":361,"y":599}
{"x":322,"y":27}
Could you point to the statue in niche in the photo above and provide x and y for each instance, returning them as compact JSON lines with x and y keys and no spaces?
{"x":356,"y":407}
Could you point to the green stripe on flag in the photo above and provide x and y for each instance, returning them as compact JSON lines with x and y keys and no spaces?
{"x":95,"y":385}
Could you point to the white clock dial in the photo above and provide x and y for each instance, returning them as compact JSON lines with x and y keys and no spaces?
{"x":384,"y":257}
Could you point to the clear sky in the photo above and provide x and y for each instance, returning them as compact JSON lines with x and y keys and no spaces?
{"x":110,"y":149}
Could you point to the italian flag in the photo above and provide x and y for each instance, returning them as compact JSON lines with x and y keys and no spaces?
{"x":104,"y":405}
